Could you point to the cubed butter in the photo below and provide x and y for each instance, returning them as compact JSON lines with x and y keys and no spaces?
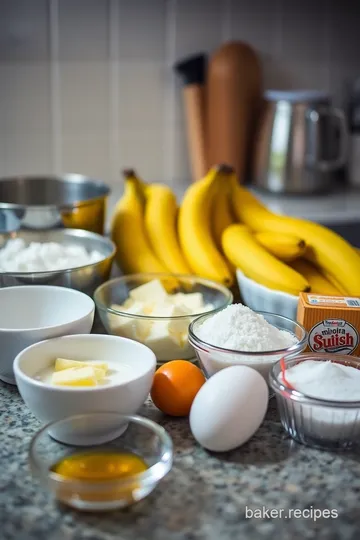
{"x":161,"y":341}
{"x":130,"y":327}
{"x":84,"y":376}
{"x":64,"y":363}
{"x":149,"y":293}
{"x":192,"y":301}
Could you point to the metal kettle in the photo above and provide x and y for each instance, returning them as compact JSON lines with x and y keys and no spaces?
{"x":301,"y":143}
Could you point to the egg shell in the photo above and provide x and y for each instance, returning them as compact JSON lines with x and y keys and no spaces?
{"x":229,"y":408}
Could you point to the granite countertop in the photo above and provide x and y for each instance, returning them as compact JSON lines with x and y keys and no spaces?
{"x":203,"y":497}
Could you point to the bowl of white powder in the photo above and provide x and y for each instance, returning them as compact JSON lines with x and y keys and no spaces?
{"x":72,"y":258}
{"x":318,"y":398}
{"x":237,"y":335}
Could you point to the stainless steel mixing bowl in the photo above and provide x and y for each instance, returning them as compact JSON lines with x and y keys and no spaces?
{"x":47,"y":202}
{"x":85,"y":278}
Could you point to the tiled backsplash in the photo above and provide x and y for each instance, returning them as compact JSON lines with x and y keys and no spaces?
{"x":88,"y":86}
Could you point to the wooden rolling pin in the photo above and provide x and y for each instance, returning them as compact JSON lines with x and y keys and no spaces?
{"x":192,"y":72}
{"x":234,"y":90}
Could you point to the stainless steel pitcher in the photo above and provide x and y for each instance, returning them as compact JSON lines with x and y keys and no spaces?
{"x":301,"y":143}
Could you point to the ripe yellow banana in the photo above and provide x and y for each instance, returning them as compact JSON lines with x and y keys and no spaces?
{"x":221,"y":213}
{"x":329,"y":251}
{"x":285,"y":247}
{"x":161,"y":227}
{"x":134,"y":253}
{"x":194,"y":227}
{"x":318,"y":282}
{"x":241,"y":248}
{"x":130,"y":174}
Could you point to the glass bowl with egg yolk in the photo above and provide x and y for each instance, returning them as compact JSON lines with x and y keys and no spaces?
{"x":117,"y":472}
{"x":157,"y":309}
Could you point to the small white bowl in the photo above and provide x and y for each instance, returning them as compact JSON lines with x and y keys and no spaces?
{"x":32,"y":313}
{"x":261,"y":298}
{"x":49,"y":403}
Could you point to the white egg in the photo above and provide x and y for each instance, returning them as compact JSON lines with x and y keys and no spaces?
{"x":229,"y":408}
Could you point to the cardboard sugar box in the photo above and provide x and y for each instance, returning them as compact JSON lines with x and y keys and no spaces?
{"x":333,"y":323}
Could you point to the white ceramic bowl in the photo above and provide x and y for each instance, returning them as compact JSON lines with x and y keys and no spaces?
{"x":32,"y":313}
{"x":49,"y":403}
{"x":260,"y":298}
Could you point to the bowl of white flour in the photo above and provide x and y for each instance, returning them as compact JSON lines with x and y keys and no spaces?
{"x":72,"y":258}
{"x":237,"y":335}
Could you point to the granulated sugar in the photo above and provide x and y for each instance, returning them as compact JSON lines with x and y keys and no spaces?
{"x":328,"y":381}
{"x":325,"y":380}
{"x":17,"y":256}
{"x":239,"y":328}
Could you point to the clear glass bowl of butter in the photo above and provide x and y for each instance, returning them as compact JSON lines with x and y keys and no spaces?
{"x":157,"y":309}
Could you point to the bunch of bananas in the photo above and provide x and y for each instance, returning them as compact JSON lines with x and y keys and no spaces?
{"x":153,"y":235}
{"x":221,"y":226}
{"x":286,"y":253}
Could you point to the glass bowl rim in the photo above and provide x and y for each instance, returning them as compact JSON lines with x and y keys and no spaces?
{"x":301,"y":398}
{"x":152,"y":475}
{"x":204,"y":346}
{"x":227,"y":294}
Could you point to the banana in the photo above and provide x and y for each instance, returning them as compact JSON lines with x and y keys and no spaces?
{"x":318,"y":282}
{"x":241,"y":248}
{"x":194,"y":227}
{"x":221,"y":214}
{"x":134,"y":252}
{"x":161,"y":227}
{"x":329,"y":251}
{"x":130,"y":174}
{"x":285,"y":247}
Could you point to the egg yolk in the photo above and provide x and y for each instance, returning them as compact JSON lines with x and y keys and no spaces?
{"x":99,"y":466}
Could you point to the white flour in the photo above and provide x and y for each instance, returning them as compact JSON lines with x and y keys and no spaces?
{"x":17,"y":256}
{"x":239,"y":328}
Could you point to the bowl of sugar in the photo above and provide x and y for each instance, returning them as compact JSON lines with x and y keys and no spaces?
{"x":72,"y":258}
{"x":318,"y":398}
{"x":237,"y":335}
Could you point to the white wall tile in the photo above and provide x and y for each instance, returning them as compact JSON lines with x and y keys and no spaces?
{"x":84,"y":104}
{"x":113,"y":92}
{"x":23,"y":31}
{"x":255,"y":21}
{"x":198,"y":26}
{"x":344,"y":45}
{"x":25,"y":117}
{"x":83,"y":29}
{"x":141,"y":95}
{"x":87,"y":153}
{"x":142,"y":30}
{"x":142,"y":150}
{"x":84,"y":94}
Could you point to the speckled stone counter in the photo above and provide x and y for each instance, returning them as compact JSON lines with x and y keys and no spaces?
{"x":203,"y":497}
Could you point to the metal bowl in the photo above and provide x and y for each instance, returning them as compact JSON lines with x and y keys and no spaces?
{"x":47,"y":202}
{"x":84,"y":278}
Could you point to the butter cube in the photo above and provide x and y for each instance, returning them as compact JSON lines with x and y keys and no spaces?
{"x":192,"y":301}
{"x":149,"y":293}
{"x":75,"y":377}
{"x":64,"y":363}
{"x":161,"y":341}
{"x":130,"y":327}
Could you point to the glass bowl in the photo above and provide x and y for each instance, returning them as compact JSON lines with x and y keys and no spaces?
{"x":328,"y":425}
{"x":120,"y":433}
{"x":121,"y":323}
{"x":213,"y":358}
